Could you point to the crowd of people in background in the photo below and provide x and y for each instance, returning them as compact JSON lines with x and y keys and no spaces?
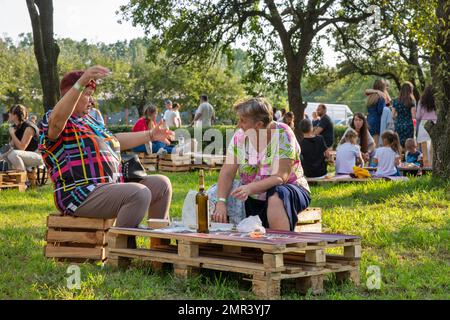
{"x":273,"y":186}
{"x":368,"y":141}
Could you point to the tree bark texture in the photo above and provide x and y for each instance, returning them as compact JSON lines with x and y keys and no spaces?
{"x":45,"y":49}
{"x":440,"y":68}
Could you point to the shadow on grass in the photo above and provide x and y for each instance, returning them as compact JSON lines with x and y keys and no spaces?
{"x":377,"y":192}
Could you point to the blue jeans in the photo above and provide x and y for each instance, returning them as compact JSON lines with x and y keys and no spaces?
{"x":156,"y":145}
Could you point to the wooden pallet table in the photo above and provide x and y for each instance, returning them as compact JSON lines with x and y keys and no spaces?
{"x":149,"y":161}
{"x":309,"y":220}
{"x":348,"y":179}
{"x":174,"y":163}
{"x":404,"y":171}
{"x":414,"y":171}
{"x":13,"y":179}
{"x":76,"y":239}
{"x":277,"y":256}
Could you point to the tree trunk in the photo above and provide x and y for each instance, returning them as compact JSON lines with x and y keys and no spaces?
{"x":296,"y":104}
{"x":45,"y":49}
{"x":440,"y":66}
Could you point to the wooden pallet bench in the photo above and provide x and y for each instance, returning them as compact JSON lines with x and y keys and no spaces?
{"x":149,"y":161}
{"x":76,"y":239}
{"x":279,"y":255}
{"x":13,"y":179}
{"x":207,"y":161}
{"x":309,"y":220}
{"x":174,"y":163}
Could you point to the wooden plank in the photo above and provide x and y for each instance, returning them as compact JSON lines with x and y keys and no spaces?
{"x":176,"y":157}
{"x":312,"y":227}
{"x":315,"y":256}
{"x":157,"y":223}
{"x":187,"y":249}
{"x":191,"y":261}
{"x":266,"y":287}
{"x":52,"y":251}
{"x":181,"y":236}
{"x":20,"y":187}
{"x":352,"y":251}
{"x":273,"y":261}
{"x":351,"y":275}
{"x":174,"y":163}
{"x":96,"y":237}
{"x":116,"y":242}
{"x":58,"y":221}
{"x":310,"y":214}
{"x":174,"y":169}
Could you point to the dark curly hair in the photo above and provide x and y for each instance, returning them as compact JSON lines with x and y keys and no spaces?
{"x":427,"y":99}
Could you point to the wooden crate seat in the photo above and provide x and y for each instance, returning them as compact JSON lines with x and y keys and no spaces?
{"x":76,"y":239}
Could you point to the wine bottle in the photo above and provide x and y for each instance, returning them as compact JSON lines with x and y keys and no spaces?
{"x":201,"y":201}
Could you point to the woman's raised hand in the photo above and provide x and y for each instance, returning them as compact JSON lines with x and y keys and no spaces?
{"x":162,"y":134}
{"x":94,"y":73}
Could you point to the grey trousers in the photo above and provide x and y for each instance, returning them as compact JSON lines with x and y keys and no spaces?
{"x":128,"y":202}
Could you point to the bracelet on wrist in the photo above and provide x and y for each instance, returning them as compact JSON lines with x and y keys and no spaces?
{"x":224,"y":200}
{"x":78,"y":87}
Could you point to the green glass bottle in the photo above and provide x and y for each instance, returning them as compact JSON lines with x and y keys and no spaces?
{"x":201,"y":201}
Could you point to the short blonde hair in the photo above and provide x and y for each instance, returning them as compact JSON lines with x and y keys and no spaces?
{"x":349,"y":135}
{"x":257,"y":109}
{"x":410,"y":143}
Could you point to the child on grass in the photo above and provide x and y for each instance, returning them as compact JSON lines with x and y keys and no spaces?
{"x":387,"y":157}
{"x":412,"y":154}
{"x":348,"y":153}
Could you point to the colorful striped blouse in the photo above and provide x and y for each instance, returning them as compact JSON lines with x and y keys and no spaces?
{"x":84,"y":155}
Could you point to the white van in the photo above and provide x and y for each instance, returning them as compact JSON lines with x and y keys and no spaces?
{"x":337,"y":112}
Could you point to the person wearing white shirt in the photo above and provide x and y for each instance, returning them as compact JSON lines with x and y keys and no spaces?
{"x":169,"y":114}
{"x":348,"y":153}
{"x":204,"y":116}
{"x":177,"y":116}
{"x":387,"y":157}
{"x":278,"y":115}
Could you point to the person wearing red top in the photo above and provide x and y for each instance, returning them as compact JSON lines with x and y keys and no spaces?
{"x":148,"y":122}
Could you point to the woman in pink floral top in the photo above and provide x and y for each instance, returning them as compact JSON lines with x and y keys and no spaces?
{"x":267,"y":155}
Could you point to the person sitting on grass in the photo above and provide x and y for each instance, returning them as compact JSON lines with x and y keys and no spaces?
{"x":412,"y":154}
{"x":314,"y":151}
{"x":387,"y":157}
{"x":148,"y":122}
{"x":83,"y":159}
{"x":267,"y":155}
{"x":348,"y":153}
{"x":24,"y":140}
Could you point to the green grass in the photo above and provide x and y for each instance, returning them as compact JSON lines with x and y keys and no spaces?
{"x":404,"y":226}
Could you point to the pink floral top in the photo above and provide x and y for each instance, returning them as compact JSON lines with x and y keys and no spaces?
{"x":254,"y":166}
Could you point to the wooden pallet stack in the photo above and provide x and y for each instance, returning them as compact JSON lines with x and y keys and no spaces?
{"x":13,"y":179}
{"x":76,"y":239}
{"x":207,"y":161}
{"x":309,"y":220}
{"x":174,"y":163}
{"x":149,"y":161}
{"x":305,"y":258}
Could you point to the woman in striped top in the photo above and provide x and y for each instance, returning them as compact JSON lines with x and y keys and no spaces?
{"x":83,"y":158}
